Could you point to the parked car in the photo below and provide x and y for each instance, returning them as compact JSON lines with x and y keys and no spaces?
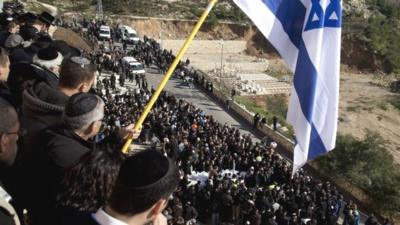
{"x":104,"y":33}
{"x":132,"y":65}
{"x":128,"y":34}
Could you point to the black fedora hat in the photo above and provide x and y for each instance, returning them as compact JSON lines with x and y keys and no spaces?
{"x":46,"y":18}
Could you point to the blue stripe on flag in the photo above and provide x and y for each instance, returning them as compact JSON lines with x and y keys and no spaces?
{"x":317,"y":147}
{"x":305,"y":82}
{"x":291,"y":13}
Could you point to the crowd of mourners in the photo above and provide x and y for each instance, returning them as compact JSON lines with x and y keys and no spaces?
{"x":63,"y":123}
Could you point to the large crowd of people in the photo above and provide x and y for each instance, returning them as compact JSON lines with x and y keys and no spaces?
{"x":63,"y":123}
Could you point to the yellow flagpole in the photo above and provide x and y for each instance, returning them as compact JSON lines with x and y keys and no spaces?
{"x":171,"y":69}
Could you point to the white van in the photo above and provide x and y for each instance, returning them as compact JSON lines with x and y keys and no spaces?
{"x":128,"y":34}
{"x":131,"y":64}
{"x":104,"y":33}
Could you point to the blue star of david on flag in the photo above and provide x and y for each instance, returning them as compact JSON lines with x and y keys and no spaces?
{"x":318,"y":18}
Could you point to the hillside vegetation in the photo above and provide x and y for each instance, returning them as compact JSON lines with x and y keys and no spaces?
{"x":372,"y":24}
{"x":379,"y":30}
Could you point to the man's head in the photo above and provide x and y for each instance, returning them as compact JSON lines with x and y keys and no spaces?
{"x":13,"y":27}
{"x":144,"y":185}
{"x":43,"y":22}
{"x":77,"y":74}
{"x":83,"y":114}
{"x":49,"y":58}
{"x":4,"y":65}
{"x":46,"y":19}
{"x":39,"y":25}
{"x":9,"y":130}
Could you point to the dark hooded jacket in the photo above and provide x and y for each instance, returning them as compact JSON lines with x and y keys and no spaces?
{"x":5,"y":93}
{"x":42,"y":107}
{"x":24,"y":75}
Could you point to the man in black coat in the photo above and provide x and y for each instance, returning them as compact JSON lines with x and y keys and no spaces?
{"x":37,"y":27}
{"x":190,"y":212}
{"x":226,"y":209}
{"x":45,"y":68}
{"x":43,"y":102}
{"x":60,"y":148}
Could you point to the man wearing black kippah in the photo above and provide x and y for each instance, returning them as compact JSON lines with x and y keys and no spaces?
{"x":144,"y":185}
{"x":61,"y":147}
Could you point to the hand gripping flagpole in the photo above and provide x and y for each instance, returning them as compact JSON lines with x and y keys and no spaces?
{"x":167,"y":76}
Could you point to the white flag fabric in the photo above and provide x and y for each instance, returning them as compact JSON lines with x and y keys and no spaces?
{"x":307,"y":34}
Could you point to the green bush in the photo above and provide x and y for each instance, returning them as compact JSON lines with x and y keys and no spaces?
{"x":276,"y":106}
{"x":196,"y":11}
{"x":369,"y":165}
{"x":212,"y":20}
{"x":382,"y":33}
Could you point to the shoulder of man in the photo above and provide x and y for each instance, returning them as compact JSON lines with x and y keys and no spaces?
{"x":84,"y":219}
{"x":64,"y":146}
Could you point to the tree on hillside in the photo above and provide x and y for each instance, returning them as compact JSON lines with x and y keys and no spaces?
{"x":369,"y":165}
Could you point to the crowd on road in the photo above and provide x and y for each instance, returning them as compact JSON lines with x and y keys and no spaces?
{"x":62,"y":133}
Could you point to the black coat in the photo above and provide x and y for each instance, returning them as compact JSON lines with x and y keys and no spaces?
{"x":23,"y":75}
{"x":20,"y":55}
{"x":28,"y":33}
{"x":57,"y":149}
{"x":42,"y":108}
{"x":190,"y":213}
{"x":5,"y":94}
{"x":78,"y":219}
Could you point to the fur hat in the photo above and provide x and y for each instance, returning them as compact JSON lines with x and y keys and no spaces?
{"x":48,"y":58}
{"x":82,"y":109}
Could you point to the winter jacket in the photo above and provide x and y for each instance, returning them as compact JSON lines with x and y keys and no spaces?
{"x":57,"y":149}
{"x":24,"y":75}
{"x":42,"y":108}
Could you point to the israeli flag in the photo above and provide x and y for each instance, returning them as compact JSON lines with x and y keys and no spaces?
{"x":307,"y":34}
